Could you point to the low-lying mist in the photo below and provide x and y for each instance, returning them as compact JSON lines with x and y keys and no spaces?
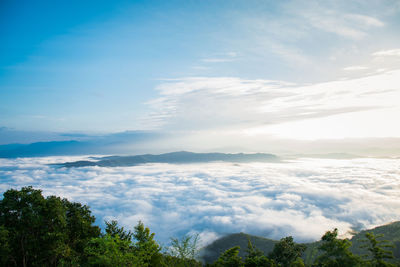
{"x":302,"y":198}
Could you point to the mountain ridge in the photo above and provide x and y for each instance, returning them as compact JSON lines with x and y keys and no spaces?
{"x":179,"y":157}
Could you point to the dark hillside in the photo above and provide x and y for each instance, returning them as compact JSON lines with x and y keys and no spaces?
{"x":211,"y":252}
{"x":390,"y":232}
{"x":173,"y":157}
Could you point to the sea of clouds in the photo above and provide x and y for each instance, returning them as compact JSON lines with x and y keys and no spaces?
{"x":303,"y":197}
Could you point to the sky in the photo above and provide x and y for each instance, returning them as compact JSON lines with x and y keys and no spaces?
{"x":287,"y":77}
{"x":204,"y":71}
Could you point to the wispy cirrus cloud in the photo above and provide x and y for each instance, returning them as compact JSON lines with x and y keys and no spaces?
{"x":387,"y":53}
{"x":364,"y":21}
{"x":353,"y":26}
{"x":355,"y":68}
{"x":340,"y":18}
{"x":200,"y":103}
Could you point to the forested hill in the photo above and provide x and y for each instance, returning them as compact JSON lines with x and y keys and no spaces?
{"x":210,"y":253}
{"x":174,"y":157}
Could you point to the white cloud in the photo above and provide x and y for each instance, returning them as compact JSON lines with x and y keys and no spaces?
{"x":336,"y":20}
{"x":221,"y":103}
{"x":303,"y":198}
{"x":332,"y":25}
{"x":355,"y":68}
{"x":363,"y":20}
{"x":387,"y":53}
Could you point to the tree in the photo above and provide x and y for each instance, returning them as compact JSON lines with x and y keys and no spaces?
{"x":378,"y":251}
{"x":110,"y":251}
{"x":80,"y":228}
{"x":286,"y":251}
{"x":34,"y":227}
{"x":255,"y":257}
{"x":336,"y":252}
{"x":146,"y":248}
{"x":230,"y":258}
{"x":43,"y":231}
{"x":5,"y":249}
{"x":113,"y":229}
{"x":136,"y":248}
{"x":298,"y":263}
{"x":50,"y":231}
{"x":186,"y":247}
{"x":172,"y":261}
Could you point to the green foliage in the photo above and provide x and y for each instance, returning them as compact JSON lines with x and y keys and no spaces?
{"x":43,"y":231}
{"x":298,"y":263}
{"x":286,"y":251}
{"x":336,"y":252}
{"x":256,"y":258}
{"x":378,"y":251}
{"x":35,"y":227}
{"x":391,"y":232}
{"x":185,"y":248}
{"x":5,"y":249}
{"x":109,"y":251}
{"x":211,"y":252}
{"x":39,"y":231}
{"x":114,"y":230}
{"x":229,"y":258}
{"x":134,"y":249}
{"x":80,"y":229}
{"x":146,"y":248}
{"x":172,"y":261}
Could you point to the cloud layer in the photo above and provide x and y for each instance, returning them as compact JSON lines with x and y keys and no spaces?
{"x":257,"y":106}
{"x":303,"y":198}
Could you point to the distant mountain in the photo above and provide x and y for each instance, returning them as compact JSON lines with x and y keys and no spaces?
{"x":211,"y":252}
{"x":39,"y":149}
{"x":174,"y":157}
{"x":79,"y":144}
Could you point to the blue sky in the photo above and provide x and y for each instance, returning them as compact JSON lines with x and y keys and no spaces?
{"x":305,"y":70}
